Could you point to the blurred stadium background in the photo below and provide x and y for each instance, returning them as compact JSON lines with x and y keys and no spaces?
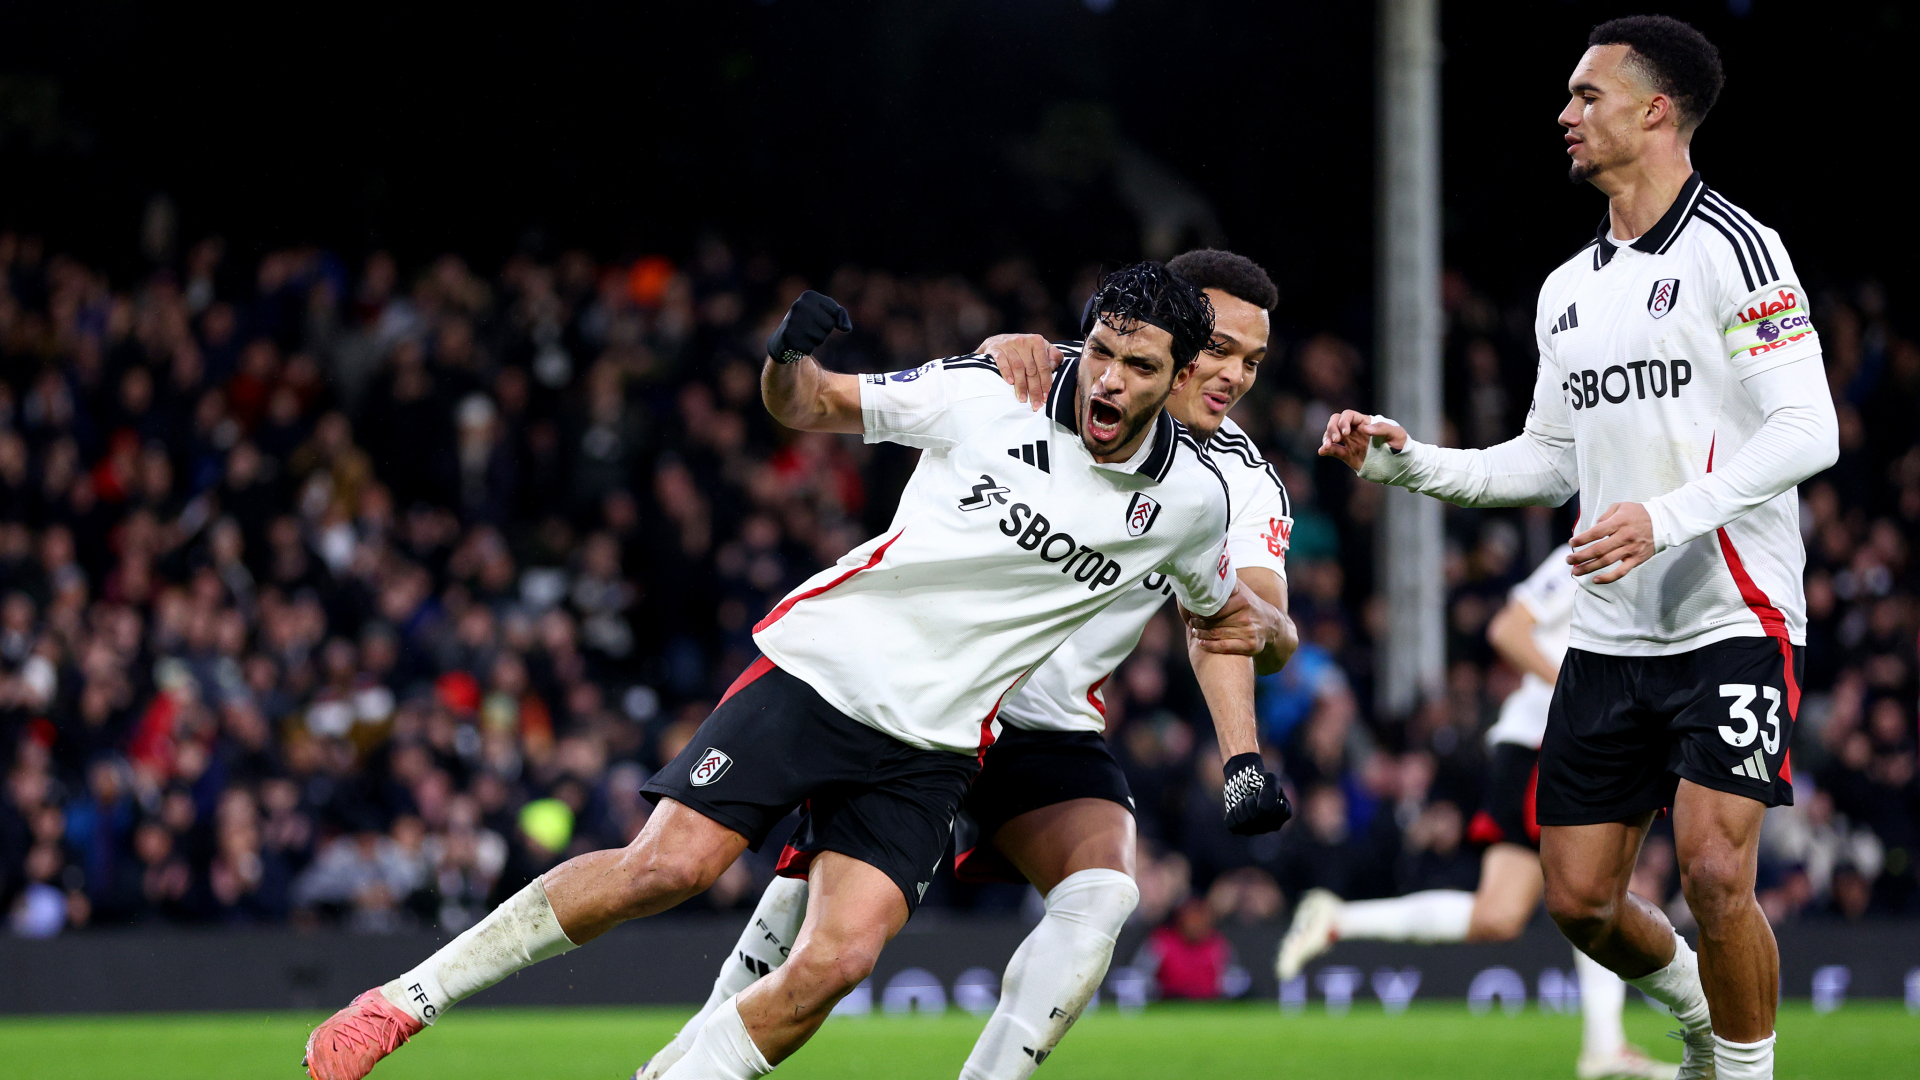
{"x":384,"y":488}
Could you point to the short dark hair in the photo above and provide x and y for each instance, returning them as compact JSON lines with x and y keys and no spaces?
{"x":1149,"y":293}
{"x":1235,"y":275}
{"x":1677,"y":59}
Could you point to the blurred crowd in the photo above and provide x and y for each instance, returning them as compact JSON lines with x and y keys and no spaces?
{"x":362,"y":594}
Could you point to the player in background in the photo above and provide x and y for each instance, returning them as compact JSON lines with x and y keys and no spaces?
{"x":1051,"y":805}
{"x":1530,"y":634}
{"x":1682,"y":394}
{"x":880,"y":678}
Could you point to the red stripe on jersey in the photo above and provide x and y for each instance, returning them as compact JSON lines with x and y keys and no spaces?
{"x":986,"y":725}
{"x":754,"y":670}
{"x":1093,"y":695}
{"x":1771,"y":621}
{"x":786,"y":605}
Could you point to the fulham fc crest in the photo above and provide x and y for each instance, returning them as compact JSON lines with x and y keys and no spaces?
{"x":712,"y":766}
{"x":1140,"y":514}
{"x":1665,"y":294}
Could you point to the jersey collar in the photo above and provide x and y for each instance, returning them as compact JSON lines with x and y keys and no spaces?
{"x":1657,"y":239}
{"x":1155,"y":456}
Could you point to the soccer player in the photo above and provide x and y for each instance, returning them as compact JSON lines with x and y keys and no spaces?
{"x":1530,"y":633}
{"x":1682,"y":394}
{"x":1051,"y":805}
{"x":880,"y":678}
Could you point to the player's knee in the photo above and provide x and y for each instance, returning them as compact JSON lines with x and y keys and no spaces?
{"x":1717,"y":884}
{"x":1580,"y":908}
{"x":835,"y":967}
{"x":1103,"y":898}
{"x":657,"y":875}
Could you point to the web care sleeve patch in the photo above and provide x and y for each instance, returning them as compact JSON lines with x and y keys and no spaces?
{"x":934,"y":406}
{"x":1261,"y":531}
{"x":1767,"y":328}
{"x":1762,"y":308}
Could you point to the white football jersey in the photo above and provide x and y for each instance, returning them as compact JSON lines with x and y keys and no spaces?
{"x":1547,"y":594}
{"x":1643,"y":349}
{"x":1066,"y":693}
{"x":1008,"y":538}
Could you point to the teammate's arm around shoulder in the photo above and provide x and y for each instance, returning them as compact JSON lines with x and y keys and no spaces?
{"x":799,"y":392}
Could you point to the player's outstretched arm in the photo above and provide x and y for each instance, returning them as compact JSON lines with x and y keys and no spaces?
{"x":799,"y":392}
{"x":1531,"y":469}
{"x":1026,"y":362}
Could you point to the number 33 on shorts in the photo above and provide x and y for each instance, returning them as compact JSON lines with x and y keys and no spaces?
{"x":1751,"y":726}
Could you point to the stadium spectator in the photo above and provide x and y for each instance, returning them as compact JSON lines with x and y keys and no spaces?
{"x":313,"y":583}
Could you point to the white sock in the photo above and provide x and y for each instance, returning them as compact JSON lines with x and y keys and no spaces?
{"x":519,"y":933}
{"x":1743,"y":1061}
{"x":1429,"y":917}
{"x":1677,"y":986}
{"x":1053,"y":974}
{"x":1602,"y":998}
{"x":762,"y":947}
{"x":722,"y":1051}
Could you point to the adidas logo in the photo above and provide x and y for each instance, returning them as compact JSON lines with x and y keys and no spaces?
{"x":1568,"y":321}
{"x":1754,"y":768}
{"x":1034,"y":454}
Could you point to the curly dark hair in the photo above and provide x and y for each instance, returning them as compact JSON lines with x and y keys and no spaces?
{"x":1235,"y":275}
{"x":1148,"y":293}
{"x":1677,"y":60}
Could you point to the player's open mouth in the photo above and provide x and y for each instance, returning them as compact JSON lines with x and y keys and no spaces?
{"x":1103,"y":420}
{"x":1219,"y":403}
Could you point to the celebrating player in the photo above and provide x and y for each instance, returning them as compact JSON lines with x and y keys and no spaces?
{"x":880,"y":677}
{"x":1530,"y":633}
{"x":1051,"y":805}
{"x":1681,"y":393}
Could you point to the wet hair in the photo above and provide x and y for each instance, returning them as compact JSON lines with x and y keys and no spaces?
{"x":1676,"y":59}
{"x":1235,"y":275}
{"x":1149,"y":293}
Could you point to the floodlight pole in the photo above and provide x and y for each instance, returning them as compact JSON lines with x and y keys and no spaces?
{"x":1408,"y":550}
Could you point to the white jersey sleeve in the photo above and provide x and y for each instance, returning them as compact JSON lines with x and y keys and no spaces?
{"x":1768,"y":326}
{"x":933,"y":406}
{"x":1262,"y":526}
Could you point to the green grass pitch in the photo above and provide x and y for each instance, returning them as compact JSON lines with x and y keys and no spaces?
{"x":1432,"y":1042}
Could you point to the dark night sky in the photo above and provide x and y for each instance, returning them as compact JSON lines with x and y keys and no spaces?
{"x":893,"y":131}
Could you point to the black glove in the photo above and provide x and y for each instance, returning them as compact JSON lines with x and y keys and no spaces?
{"x":1255,"y":803}
{"x":808,"y":322}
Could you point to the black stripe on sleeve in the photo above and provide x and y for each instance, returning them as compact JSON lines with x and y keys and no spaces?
{"x":1737,"y":253}
{"x":1746,"y":225}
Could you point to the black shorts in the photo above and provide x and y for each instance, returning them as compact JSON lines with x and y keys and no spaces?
{"x":1513,"y":773}
{"x":1024,"y":771}
{"x":1624,"y":730}
{"x":773,"y":743}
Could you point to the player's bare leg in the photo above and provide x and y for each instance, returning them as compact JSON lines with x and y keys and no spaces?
{"x":853,"y":910}
{"x":1509,"y":893}
{"x":1079,"y":854}
{"x":1588,"y":869}
{"x":678,"y":854}
{"x":1717,"y":840}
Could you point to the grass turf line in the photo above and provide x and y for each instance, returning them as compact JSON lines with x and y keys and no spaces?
{"x":1864,"y":1040}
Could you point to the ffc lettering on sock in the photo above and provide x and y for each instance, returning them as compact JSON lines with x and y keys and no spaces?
{"x":518,"y":934}
{"x":763,"y":946}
